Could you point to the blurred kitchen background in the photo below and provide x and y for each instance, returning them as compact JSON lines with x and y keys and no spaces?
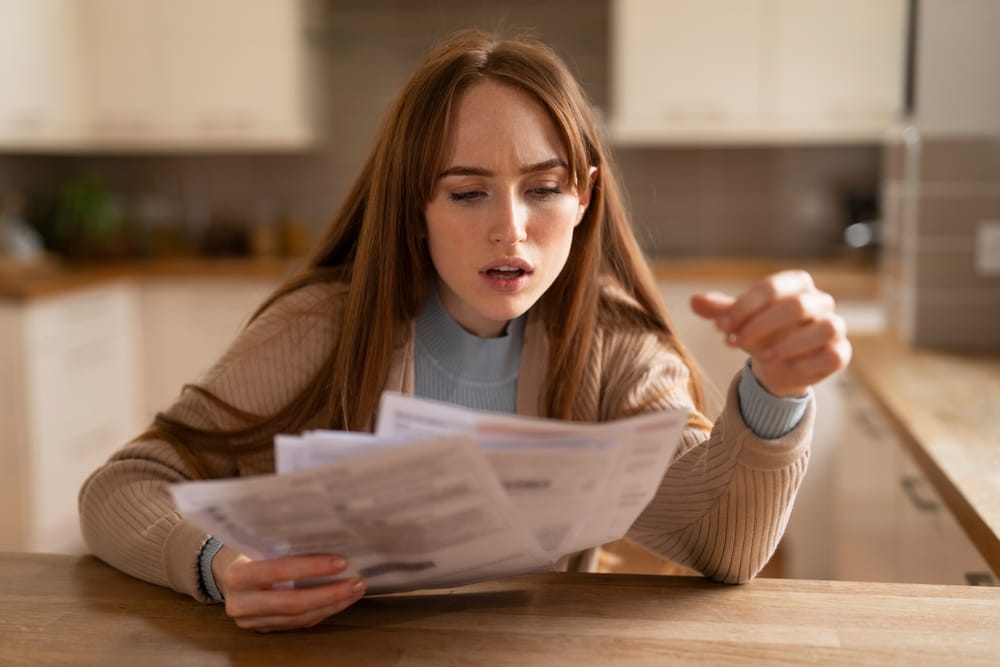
{"x":163,"y":165}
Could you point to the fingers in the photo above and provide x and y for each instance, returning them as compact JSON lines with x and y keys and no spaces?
{"x":263,"y":574}
{"x":803,"y":358}
{"x":761,"y":295}
{"x":785,"y":317}
{"x":711,"y":304}
{"x":825,"y":361}
{"x":292,"y":601}
{"x":788,"y":327}
{"x":254,"y":602}
{"x":808,"y":338}
{"x":287,"y":609}
{"x":792,"y":377}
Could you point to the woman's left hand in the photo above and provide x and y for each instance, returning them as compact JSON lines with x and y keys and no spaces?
{"x":786,"y":325}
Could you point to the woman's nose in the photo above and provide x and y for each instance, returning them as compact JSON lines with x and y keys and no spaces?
{"x":509,"y":223}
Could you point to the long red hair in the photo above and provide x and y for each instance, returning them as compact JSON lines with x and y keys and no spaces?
{"x":374,"y":244}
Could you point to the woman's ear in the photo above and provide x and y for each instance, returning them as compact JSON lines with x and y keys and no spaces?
{"x":585,"y":195}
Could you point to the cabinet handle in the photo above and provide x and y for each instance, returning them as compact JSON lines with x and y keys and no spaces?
{"x":869,"y":424}
{"x":911,"y":487}
{"x":980,"y":579}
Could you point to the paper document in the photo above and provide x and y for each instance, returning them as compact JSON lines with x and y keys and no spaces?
{"x":441,"y":495}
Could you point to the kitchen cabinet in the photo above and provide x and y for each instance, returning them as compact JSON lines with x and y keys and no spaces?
{"x":883,"y":520}
{"x":187,"y":324}
{"x":125,"y":62}
{"x":678,"y":62}
{"x":956,"y":88}
{"x":84,"y":371}
{"x":235,"y":72}
{"x":760,"y":71}
{"x":865,"y":511}
{"x":40,"y":76}
{"x":152,"y":75}
{"x":70,"y":396}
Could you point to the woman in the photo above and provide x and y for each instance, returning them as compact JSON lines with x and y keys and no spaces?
{"x":484,"y":256}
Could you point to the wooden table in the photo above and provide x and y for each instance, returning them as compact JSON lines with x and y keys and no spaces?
{"x":69,"y":610}
{"x":947,"y":405}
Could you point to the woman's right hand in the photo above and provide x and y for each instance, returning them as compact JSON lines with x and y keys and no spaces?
{"x":254,"y":603}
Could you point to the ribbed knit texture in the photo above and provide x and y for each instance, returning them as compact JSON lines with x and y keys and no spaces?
{"x":450,"y":364}
{"x":208,"y":552}
{"x":767,"y":415}
{"x":721,"y":508}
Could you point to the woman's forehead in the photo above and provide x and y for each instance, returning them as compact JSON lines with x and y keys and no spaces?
{"x":497,"y":123}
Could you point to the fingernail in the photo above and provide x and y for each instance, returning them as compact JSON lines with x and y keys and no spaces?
{"x":359,"y":585}
{"x":732,"y":339}
{"x":339,"y":563}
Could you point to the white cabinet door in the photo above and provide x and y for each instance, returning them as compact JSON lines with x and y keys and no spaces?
{"x":187,"y":325}
{"x":679,"y":60}
{"x":150,"y":74}
{"x":189,"y":74}
{"x":717,"y":362}
{"x":889,"y":522}
{"x":236,"y":70}
{"x":958,"y":69}
{"x":78,"y":386}
{"x":755,"y":71}
{"x":838,"y":61}
{"x":863,"y":533}
{"x":126,"y":62}
{"x":40,"y":91}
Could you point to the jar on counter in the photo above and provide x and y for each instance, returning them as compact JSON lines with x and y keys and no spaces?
{"x":18,"y":240}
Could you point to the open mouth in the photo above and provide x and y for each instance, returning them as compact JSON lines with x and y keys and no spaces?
{"x":505,"y":272}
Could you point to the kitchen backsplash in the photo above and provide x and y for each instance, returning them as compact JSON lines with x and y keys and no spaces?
{"x":786,"y":201}
{"x":937,"y":192}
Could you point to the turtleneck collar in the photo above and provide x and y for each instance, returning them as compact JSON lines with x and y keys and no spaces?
{"x":465,"y":356}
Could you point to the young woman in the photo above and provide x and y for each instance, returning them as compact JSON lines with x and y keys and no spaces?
{"x":483,"y":257}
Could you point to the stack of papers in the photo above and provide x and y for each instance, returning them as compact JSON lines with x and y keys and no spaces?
{"x":440,"y":495}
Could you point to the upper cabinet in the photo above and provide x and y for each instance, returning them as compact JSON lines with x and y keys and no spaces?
{"x":40,"y":74}
{"x":756,"y":71}
{"x":153,"y":75}
{"x":679,"y":62}
{"x":958,"y":79}
{"x":125,"y":59}
{"x":251,"y":84}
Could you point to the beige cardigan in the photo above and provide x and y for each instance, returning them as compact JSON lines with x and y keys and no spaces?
{"x":721,"y":509}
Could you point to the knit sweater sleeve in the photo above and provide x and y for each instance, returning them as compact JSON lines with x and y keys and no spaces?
{"x":725,"y":500}
{"x":126,"y":514}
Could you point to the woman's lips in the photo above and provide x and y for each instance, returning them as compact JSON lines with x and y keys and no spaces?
{"x":506,"y":271}
{"x":506,"y":275}
{"x":508,"y":265}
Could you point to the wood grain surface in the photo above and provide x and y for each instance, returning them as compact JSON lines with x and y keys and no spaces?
{"x":64,"y":610}
{"x":53,"y":278}
{"x":947,"y":406}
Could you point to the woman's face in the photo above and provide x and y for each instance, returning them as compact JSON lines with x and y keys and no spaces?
{"x":501,"y":217}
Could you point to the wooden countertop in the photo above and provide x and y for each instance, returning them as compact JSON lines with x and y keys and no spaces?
{"x":947,"y":405}
{"x":844,"y":279}
{"x":50,"y":277}
{"x":76,"y":610}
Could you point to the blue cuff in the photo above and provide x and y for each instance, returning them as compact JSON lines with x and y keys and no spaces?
{"x":767,"y":415}
{"x":208,"y":552}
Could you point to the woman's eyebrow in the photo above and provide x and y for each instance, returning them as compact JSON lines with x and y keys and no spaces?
{"x":544,"y":165}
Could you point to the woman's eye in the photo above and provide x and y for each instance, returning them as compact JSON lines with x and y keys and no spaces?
{"x":545,"y":193}
{"x":468,"y":196}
